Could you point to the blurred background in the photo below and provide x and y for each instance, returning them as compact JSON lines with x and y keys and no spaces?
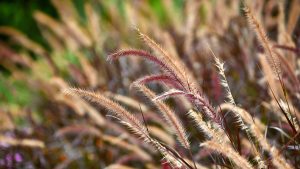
{"x":47,"y":46}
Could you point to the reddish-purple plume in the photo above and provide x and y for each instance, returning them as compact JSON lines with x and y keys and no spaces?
{"x":134,"y":52}
{"x":160,"y":78}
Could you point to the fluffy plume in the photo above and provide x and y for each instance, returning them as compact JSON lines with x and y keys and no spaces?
{"x":224,"y":82}
{"x":255,"y":128}
{"x":227,"y":151}
{"x":128,"y":120}
{"x":165,"y":57}
{"x":263,"y":39}
{"x":170,"y":117}
{"x":273,"y":57}
{"x":180,"y":75}
{"x":160,"y":78}
{"x":291,"y":118}
{"x":145,"y":55}
{"x":171,"y":93}
{"x":177,"y":68}
{"x":201,"y":124}
{"x":123,"y":115}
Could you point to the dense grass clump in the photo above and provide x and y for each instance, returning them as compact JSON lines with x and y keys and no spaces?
{"x":217,"y":88}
